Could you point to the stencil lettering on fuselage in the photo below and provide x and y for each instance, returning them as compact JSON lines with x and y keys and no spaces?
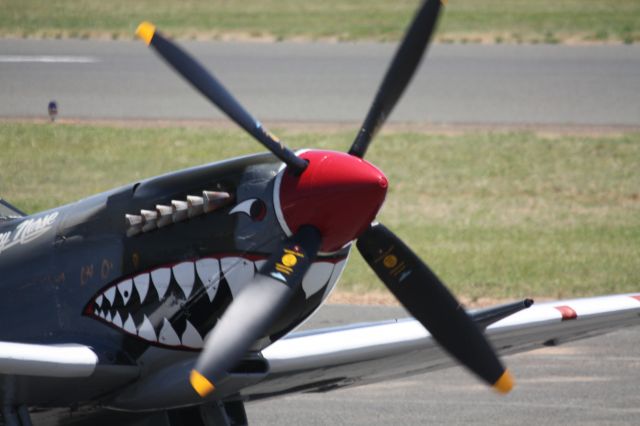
{"x":27,"y":231}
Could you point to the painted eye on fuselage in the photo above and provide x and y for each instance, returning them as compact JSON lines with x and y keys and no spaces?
{"x":255,"y":208}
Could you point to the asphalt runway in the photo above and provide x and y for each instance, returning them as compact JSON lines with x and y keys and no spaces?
{"x":589,"y":382}
{"x":325,"y":82}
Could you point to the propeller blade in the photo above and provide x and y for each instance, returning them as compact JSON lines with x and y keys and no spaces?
{"x":398,"y":75}
{"x":428,"y":300}
{"x":211,"y":88}
{"x":254,"y":310}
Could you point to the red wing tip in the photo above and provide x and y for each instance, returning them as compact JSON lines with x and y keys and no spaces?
{"x":567,"y":312}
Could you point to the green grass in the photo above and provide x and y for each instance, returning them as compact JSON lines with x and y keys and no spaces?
{"x":463,"y":20}
{"x":497,"y":215}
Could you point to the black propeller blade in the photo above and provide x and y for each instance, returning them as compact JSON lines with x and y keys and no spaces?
{"x":260,"y":303}
{"x":429,"y":301}
{"x":408,"y":278}
{"x":210,"y":87}
{"x":254,"y":310}
{"x":398,"y":75}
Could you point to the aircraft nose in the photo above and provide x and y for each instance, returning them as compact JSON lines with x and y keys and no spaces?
{"x":338,"y":193}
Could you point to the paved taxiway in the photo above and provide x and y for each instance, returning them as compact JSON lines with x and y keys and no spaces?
{"x":590,"y":382}
{"x":502,"y":84}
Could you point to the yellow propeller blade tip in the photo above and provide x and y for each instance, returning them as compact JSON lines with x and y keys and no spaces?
{"x":145,"y":31}
{"x":201,"y":384}
{"x":505,"y":383}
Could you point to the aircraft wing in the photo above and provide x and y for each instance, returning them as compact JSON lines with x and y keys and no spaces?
{"x":45,"y":374}
{"x":47,"y":360}
{"x":327,"y":359}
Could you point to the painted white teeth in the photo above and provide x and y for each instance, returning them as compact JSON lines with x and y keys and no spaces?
{"x":316,"y":277}
{"x":238,"y":273}
{"x":124,"y":288}
{"x":130,"y":326}
{"x":117,"y":321}
{"x":165,"y":215}
{"x":161,"y":279}
{"x":142,"y":285}
{"x":110,"y":294}
{"x":168,"y":335}
{"x":185,"y":277}
{"x":196,"y":205}
{"x":260,"y":263}
{"x":191,"y":338}
{"x":180,"y":210}
{"x":213,"y":200}
{"x":146,"y":330}
{"x":209,"y":273}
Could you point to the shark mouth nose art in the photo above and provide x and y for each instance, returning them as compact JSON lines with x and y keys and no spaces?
{"x":176,"y":305}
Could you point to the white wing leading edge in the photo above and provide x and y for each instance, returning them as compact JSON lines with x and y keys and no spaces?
{"x":327,"y":359}
{"x":47,"y":360}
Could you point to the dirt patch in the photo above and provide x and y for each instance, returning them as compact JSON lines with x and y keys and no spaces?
{"x":486,"y":38}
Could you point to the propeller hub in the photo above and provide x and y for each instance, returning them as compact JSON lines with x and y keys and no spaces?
{"x":338,"y":193}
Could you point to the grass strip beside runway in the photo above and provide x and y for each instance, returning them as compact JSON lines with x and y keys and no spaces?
{"x":493,"y":21}
{"x":497,"y":215}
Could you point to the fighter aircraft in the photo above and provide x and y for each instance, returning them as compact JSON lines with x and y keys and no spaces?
{"x":172,"y":300}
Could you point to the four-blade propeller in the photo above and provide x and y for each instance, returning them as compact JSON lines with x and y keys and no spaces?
{"x":412,"y":282}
